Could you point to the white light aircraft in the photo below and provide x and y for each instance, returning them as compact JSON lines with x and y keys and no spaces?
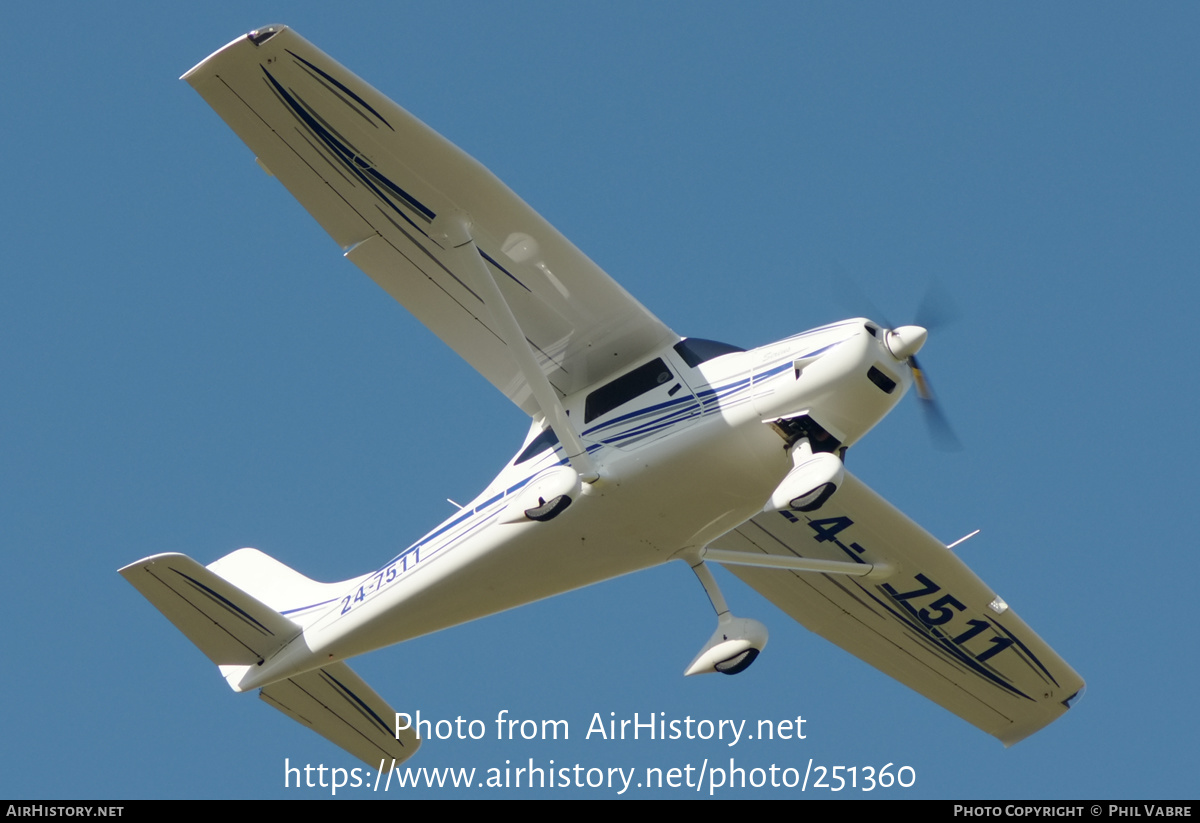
{"x":643,"y":448}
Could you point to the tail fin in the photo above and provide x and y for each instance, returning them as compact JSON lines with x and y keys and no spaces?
{"x":280,"y":587}
{"x":232,"y":612}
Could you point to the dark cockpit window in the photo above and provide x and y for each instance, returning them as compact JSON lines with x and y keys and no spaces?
{"x":625,"y":388}
{"x":539,"y":444}
{"x":697,"y":350}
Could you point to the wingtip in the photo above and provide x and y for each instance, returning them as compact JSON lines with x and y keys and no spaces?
{"x":131,"y":568}
{"x":257,"y":36}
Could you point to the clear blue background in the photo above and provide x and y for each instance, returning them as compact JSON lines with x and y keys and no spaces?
{"x":188,"y":365}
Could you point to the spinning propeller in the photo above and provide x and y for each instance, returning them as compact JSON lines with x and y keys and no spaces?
{"x":904,"y":343}
{"x":935,"y":311}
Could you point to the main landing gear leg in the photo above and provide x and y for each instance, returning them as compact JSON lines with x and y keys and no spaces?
{"x":736,"y":642}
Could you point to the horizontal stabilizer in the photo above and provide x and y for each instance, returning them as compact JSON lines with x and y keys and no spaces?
{"x":231,"y":627}
{"x":335,"y":703}
{"x":237,"y":632}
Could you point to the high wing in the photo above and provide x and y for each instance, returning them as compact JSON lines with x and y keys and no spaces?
{"x":388,"y":189}
{"x":924,"y":618}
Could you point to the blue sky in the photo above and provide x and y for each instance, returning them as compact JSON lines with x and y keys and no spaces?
{"x":189,"y":366}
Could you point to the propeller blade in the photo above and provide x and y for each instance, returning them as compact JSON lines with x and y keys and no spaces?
{"x":853,"y":299}
{"x":937,"y":309}
{"x":935,"y":419}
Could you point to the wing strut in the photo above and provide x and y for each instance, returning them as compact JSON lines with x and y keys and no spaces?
{"x":453,"y":232}
{"x":795,"y":563}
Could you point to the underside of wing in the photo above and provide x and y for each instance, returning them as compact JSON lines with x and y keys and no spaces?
{"x":923,"y":618}
{"x":384,"y":185}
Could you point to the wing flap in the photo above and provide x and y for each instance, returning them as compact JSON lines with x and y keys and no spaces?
{"x":369,"y":171}
{"x":338,"y":705}
{"x":931,"y":623}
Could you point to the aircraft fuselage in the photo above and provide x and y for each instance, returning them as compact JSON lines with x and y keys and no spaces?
{"x":691,"y":457}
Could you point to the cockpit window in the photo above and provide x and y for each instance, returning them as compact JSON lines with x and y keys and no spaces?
{"x":539,"y":444}
{"x":625,"y":388}
{"x":697,"y":350}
